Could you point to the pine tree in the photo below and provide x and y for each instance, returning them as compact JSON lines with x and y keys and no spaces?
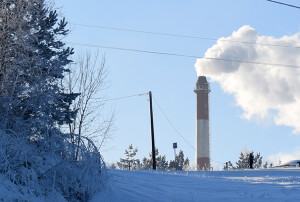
{"x":146,"y":164}
{"x":257,"y":161}
{"x":229,"y":166}
{"x":129,"y":162}
{"x":265,"y":164}
{"x":161,"y":161}
{"x":32,"y":67}
{"x":180,"y":163}
{"x":186,"y":165}
{"x":172,"y":165}
{"x":243,"y":161}
{"x":137,"y":165}
{"x":180,"y":160}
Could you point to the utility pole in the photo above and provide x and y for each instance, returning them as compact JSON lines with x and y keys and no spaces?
{"x":152,"y":132}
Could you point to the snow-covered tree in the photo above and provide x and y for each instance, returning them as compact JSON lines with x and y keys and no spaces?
{"x":180,"y":163}
{"x":228,"y":166}
{"x":266,"y":164}
{"x":161,"y":161}
{"x":146,"y":164}
{"x":186,"y":164}
{"x":112,"y":166}
{"x":257,"y":161}
{"x":180,"y":160}
{"x":129,"y":162}
{"x":32,"y":67}
{"x":35,"y":155}
{"x":243,"y":161}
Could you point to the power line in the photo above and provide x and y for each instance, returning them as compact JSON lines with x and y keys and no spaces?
{"x":285,"y":4}
{"x":183,"y":55}
{"x":182,"y":36}
{"x":177,"y":131}
{"x":119,"y":98}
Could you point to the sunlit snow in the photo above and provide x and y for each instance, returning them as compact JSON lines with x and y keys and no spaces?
{"x":247,"y":185}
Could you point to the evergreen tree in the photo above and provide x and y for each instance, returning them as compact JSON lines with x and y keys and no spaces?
{"x":146,"y":164}
{"x":229,"y":166}
{"x":112,"y":166}
{"x":243,"y":161}
{"x":172,"y":165}
{"x":257,"y":161}
{"x":180,"y":163}
{"x":265,"y":164}
{"x":186,"y":164}
{"x":161,"y":161}
{"x":180,"y":160}
{"x":137,"y":165}
{"x":31,"y":68}
{"x":129,"y":162}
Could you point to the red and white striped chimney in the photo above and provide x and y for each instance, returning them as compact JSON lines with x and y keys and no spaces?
{"x":202,"y":128}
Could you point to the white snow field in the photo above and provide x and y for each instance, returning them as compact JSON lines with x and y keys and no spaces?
{"x":248,"y":185}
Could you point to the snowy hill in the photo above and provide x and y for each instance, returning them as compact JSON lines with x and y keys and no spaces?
{"x":247,"y":185}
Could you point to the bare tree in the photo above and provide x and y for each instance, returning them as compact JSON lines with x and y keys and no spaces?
{"x":87,"y":77}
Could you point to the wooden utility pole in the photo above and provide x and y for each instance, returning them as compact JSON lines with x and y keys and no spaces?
{"x":152,"y":132}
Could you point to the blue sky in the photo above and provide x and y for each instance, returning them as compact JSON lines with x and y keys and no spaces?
{"x":172,"y":79}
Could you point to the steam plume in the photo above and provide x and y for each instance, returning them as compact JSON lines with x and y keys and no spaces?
{"x":260,"y":90}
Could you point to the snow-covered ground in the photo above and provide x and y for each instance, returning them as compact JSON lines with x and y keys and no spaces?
{"x":247,"y":185}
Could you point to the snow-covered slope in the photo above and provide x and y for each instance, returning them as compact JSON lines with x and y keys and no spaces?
{"x":247,"y":185}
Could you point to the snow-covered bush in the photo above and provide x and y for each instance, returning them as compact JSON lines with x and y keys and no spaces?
{"x":44,"y":167}
{"x":76,"y":179}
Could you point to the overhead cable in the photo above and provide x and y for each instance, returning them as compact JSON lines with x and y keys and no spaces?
{"x":183,"y":55}
{"x":177,"y":131}
{"x":285,"y":4}
{"x":173,"y":126}
{"x":119,"y":98}
{"x":183,"y":36}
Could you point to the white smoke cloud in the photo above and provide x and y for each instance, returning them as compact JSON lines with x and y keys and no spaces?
{"x":260,"y":90}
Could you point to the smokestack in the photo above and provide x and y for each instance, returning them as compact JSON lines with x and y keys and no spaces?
{"x":202,"y":128}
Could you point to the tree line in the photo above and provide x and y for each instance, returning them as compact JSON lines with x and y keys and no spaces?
{"x":243,"y":162}
{"x":131,"y":163}
{"x":181,"y":163}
